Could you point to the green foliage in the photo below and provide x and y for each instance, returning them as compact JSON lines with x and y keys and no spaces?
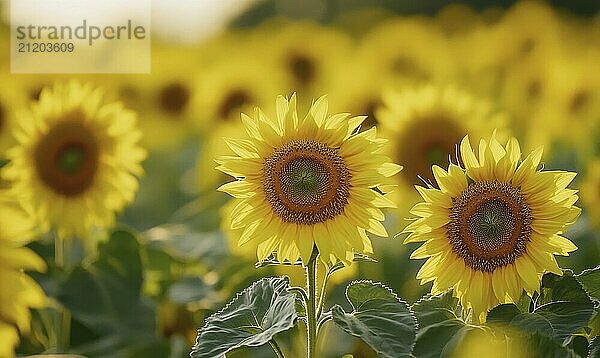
{"x":379,"y":318}
{"x":590,"y":279}
{"x":105,"y":298}
{"x":562,"y":310}
{"x":251,"y":319}
{"x":440,"y":328}
{"x":434,"y":309}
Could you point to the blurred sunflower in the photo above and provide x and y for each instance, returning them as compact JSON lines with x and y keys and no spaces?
{"x":492,"y":228}
{"x":234,"y":85}
{"x":8,"y":103}
{"x":307,"y":182}
{"x":163,"y":99}
{"x":590,"y":192}
{"x":229,"y":88}
{"x":572,"y":96}
{"x":76,"y":160}
{"x":308,"y":54}
{"x":517,"y":34}
{"x":524,"y":90}
{"x":18,"y":291}
{"x":361,"y":95}
{"x":425,"y":124}
{"x":407,"y":50}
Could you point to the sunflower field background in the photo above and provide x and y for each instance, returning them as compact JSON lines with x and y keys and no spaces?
{"x":135,"y":265}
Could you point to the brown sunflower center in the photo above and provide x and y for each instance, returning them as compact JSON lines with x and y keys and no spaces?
{"x":306,"y":182}
{"x":490,"y":225}
{"x":174,"y":97}
{"x":302,"y":67}
{"x":233,"y":102}
{"x":408,"y":67}
{"x":35,"y":92}
{"x":579,"y":101}
{"x":66,"y":157}
{"x":428,"y":141}
{"x":534,"y":89}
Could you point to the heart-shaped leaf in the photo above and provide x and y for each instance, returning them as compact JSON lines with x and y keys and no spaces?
{"x":434,"y":309}
{"x":590,"y":279}
{"x":251,"y":319}
{"x":380,"y":318}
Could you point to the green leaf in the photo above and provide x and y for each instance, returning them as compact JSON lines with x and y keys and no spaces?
{"x":440,"y":329}
{"x":434,"y":309}
{"x":106,"y":298}
{"x":555,"y":320}
{"x":503,"y":313}
{"x":594,"y":350}
{"x":524,"y":303}
{"x":537,"y":345}
{"x":251,"y":319}
{"x":590,"y":279}
{"x":579,"y":345}
{"x":441,"y":338}
{"x":380,"y":319}
{"x":185,"y":245}
{"x":190,"y":289}
{"x":561,"y":288}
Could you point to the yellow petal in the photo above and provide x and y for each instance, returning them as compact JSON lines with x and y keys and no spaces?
{"x":528,"y":274}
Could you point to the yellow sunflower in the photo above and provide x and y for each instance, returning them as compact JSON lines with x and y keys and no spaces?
{"x":590,"y":192}
{"x":307,"y":182}
{"x":425,"y":124}
{"x":407,"y":50}
{"x":228,"y":88}
{"x":234,"y":85}
{"x":76,"y":160}
{"x":493,"y":227}
{"x":308,"y":54}
{"x":362,"y":95}
{"x":164,"y":98}
{"x":18,"y":291}
{"x":572,"y":96}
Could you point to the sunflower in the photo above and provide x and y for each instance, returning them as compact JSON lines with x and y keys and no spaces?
{"x":362,"y":95}
{"x":407,"y":50}
{"x":308,"y":54}
{"x":493,"y":227}
{"x":8,"y":103}
{"x":229,"y":88}
{"x":162,"y":99}
{"x":426,"y":123}
{"x":307,"y":182}
{"x":76,"y":160}
{"x":18,"y":291}
{"x":572,"y":96}
{"x":590,"y":192}
{"x":517,"y":35}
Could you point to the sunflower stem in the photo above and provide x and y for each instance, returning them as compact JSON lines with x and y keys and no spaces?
{"x":276,"y":348}
{"x":63,"y":325}
{"x":311,"y":304}
{"x":301,"y":292}
{"x":322,"y":295}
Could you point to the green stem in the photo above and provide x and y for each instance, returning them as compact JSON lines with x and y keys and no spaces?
{"x":322,"y":295}
{"x":311,"y":304}
{"x":301,"y":292}
{"x":276,"y":348}
{"x":63,"y":325}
